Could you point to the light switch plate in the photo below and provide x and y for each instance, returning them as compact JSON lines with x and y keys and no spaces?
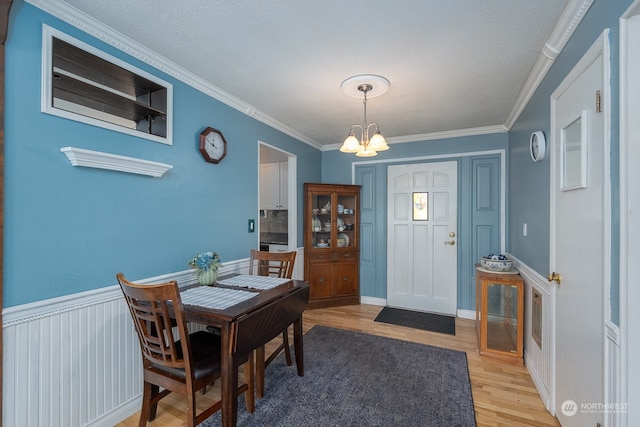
{"x":252,"y":225}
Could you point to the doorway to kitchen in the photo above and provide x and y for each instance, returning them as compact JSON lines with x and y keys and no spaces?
{"x":277,"y":199}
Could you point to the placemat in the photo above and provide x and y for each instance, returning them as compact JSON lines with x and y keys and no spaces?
{"x":253,"y":282}
{"x":211,"y":297}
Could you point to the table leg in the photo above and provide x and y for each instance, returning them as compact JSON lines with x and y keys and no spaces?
{"x":298,"y":345}
{"x":229,"y":379}
{"x":260,"y":372}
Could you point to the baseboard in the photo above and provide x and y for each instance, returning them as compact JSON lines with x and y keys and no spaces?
{"x":119,"y":413}
{"x":373,"y":301}
{"x":466,"y":314}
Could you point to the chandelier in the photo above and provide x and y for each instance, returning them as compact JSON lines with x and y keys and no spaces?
{"x":358,"y":86}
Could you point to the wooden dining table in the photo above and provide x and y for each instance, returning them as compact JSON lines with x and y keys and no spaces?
{"x":249,"y":325}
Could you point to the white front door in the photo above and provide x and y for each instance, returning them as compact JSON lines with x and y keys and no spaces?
{"x":421,"y":237}
{"x":580,"y":248}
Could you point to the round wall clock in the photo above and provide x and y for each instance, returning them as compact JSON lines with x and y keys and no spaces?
{"x":213,"y":146}
{"x":537,"y":146}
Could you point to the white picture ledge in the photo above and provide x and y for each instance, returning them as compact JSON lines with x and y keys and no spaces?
{"x":100,"y":160}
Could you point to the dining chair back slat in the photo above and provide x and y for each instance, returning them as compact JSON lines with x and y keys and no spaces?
{"x":273,"y":264}
{"x":174,"y":359}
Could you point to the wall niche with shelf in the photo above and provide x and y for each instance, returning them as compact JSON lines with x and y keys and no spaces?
{"x":85,"y":84}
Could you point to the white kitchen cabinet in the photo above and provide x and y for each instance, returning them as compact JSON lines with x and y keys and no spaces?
{"x":274,"y":185}
{"x":278,"y":248}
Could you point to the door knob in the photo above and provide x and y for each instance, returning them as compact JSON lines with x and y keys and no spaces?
{"x":451,"y":242}
{"x":554,"y":277}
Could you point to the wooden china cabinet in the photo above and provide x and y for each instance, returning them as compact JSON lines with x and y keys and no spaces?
{"x":332,"y":244}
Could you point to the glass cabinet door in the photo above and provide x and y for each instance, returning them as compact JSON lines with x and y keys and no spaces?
{"x":346,"y":215}
{"x":321,"y":223}
{"x":502,"y":317}
{"x":499,"y":315}
{"x":333,"y":220}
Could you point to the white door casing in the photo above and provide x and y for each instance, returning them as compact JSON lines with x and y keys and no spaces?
{"x":422,"y":254}
{"x":628,"y":389}
{"x":580,"y":238}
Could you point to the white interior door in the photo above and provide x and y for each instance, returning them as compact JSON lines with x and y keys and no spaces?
{"x":579,"y":241}
{"x":421,"y":237}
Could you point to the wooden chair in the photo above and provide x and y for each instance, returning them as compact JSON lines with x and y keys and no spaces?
{"x":274,"y":264}
{"x":173,"y":359}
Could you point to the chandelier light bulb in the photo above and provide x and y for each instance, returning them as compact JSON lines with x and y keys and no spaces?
{"x":378,"y":143}
{"x":365,"y":147}
{"x":366,"y":152}
{"x":351,"y":144}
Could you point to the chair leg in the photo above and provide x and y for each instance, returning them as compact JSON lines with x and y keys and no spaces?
{"x":191,"y":407}
{"x":146,"y":412}
{"x":287,"y":351}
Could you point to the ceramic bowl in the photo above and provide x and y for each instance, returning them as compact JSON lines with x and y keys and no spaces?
{"x":497,"y":264}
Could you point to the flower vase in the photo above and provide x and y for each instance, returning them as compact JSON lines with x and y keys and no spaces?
{"x":207,"y":276}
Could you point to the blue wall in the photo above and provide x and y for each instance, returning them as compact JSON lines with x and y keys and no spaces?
{"x":337,"y":168}
{"x":529,"y":182}
{"x":71,"y":229}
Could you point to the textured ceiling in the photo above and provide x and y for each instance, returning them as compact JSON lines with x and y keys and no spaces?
{"x":453,"y":65}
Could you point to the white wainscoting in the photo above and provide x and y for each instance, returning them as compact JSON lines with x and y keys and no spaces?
{"x":537,"y":359}
{"x":615,"y":415}
{"x":75,"y":360}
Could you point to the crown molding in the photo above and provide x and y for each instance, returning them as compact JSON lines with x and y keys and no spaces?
{"x":434,"y":135}
{"x":95,"y":28}
{"x":566,"y":25}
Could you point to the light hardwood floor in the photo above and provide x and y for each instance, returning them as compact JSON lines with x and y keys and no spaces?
{"x":504,"y":395}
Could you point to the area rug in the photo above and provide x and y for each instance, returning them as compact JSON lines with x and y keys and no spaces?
{"x":355,"y":379}
{"x":415,"y":319}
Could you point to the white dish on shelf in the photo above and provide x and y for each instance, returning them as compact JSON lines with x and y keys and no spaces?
{"x":497,"y":263}
{"x":486,"y":270}
{"x":322,"y":245}
{"x":343,"y":240}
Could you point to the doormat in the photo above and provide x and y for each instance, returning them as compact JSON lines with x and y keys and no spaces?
{"x":418,"y":320}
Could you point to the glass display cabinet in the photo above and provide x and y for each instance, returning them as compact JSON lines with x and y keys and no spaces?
{"x":331,"y":243}
{"x":499,"y":315}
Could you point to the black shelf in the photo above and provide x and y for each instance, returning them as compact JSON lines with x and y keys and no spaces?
{"x":87,"y":81}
